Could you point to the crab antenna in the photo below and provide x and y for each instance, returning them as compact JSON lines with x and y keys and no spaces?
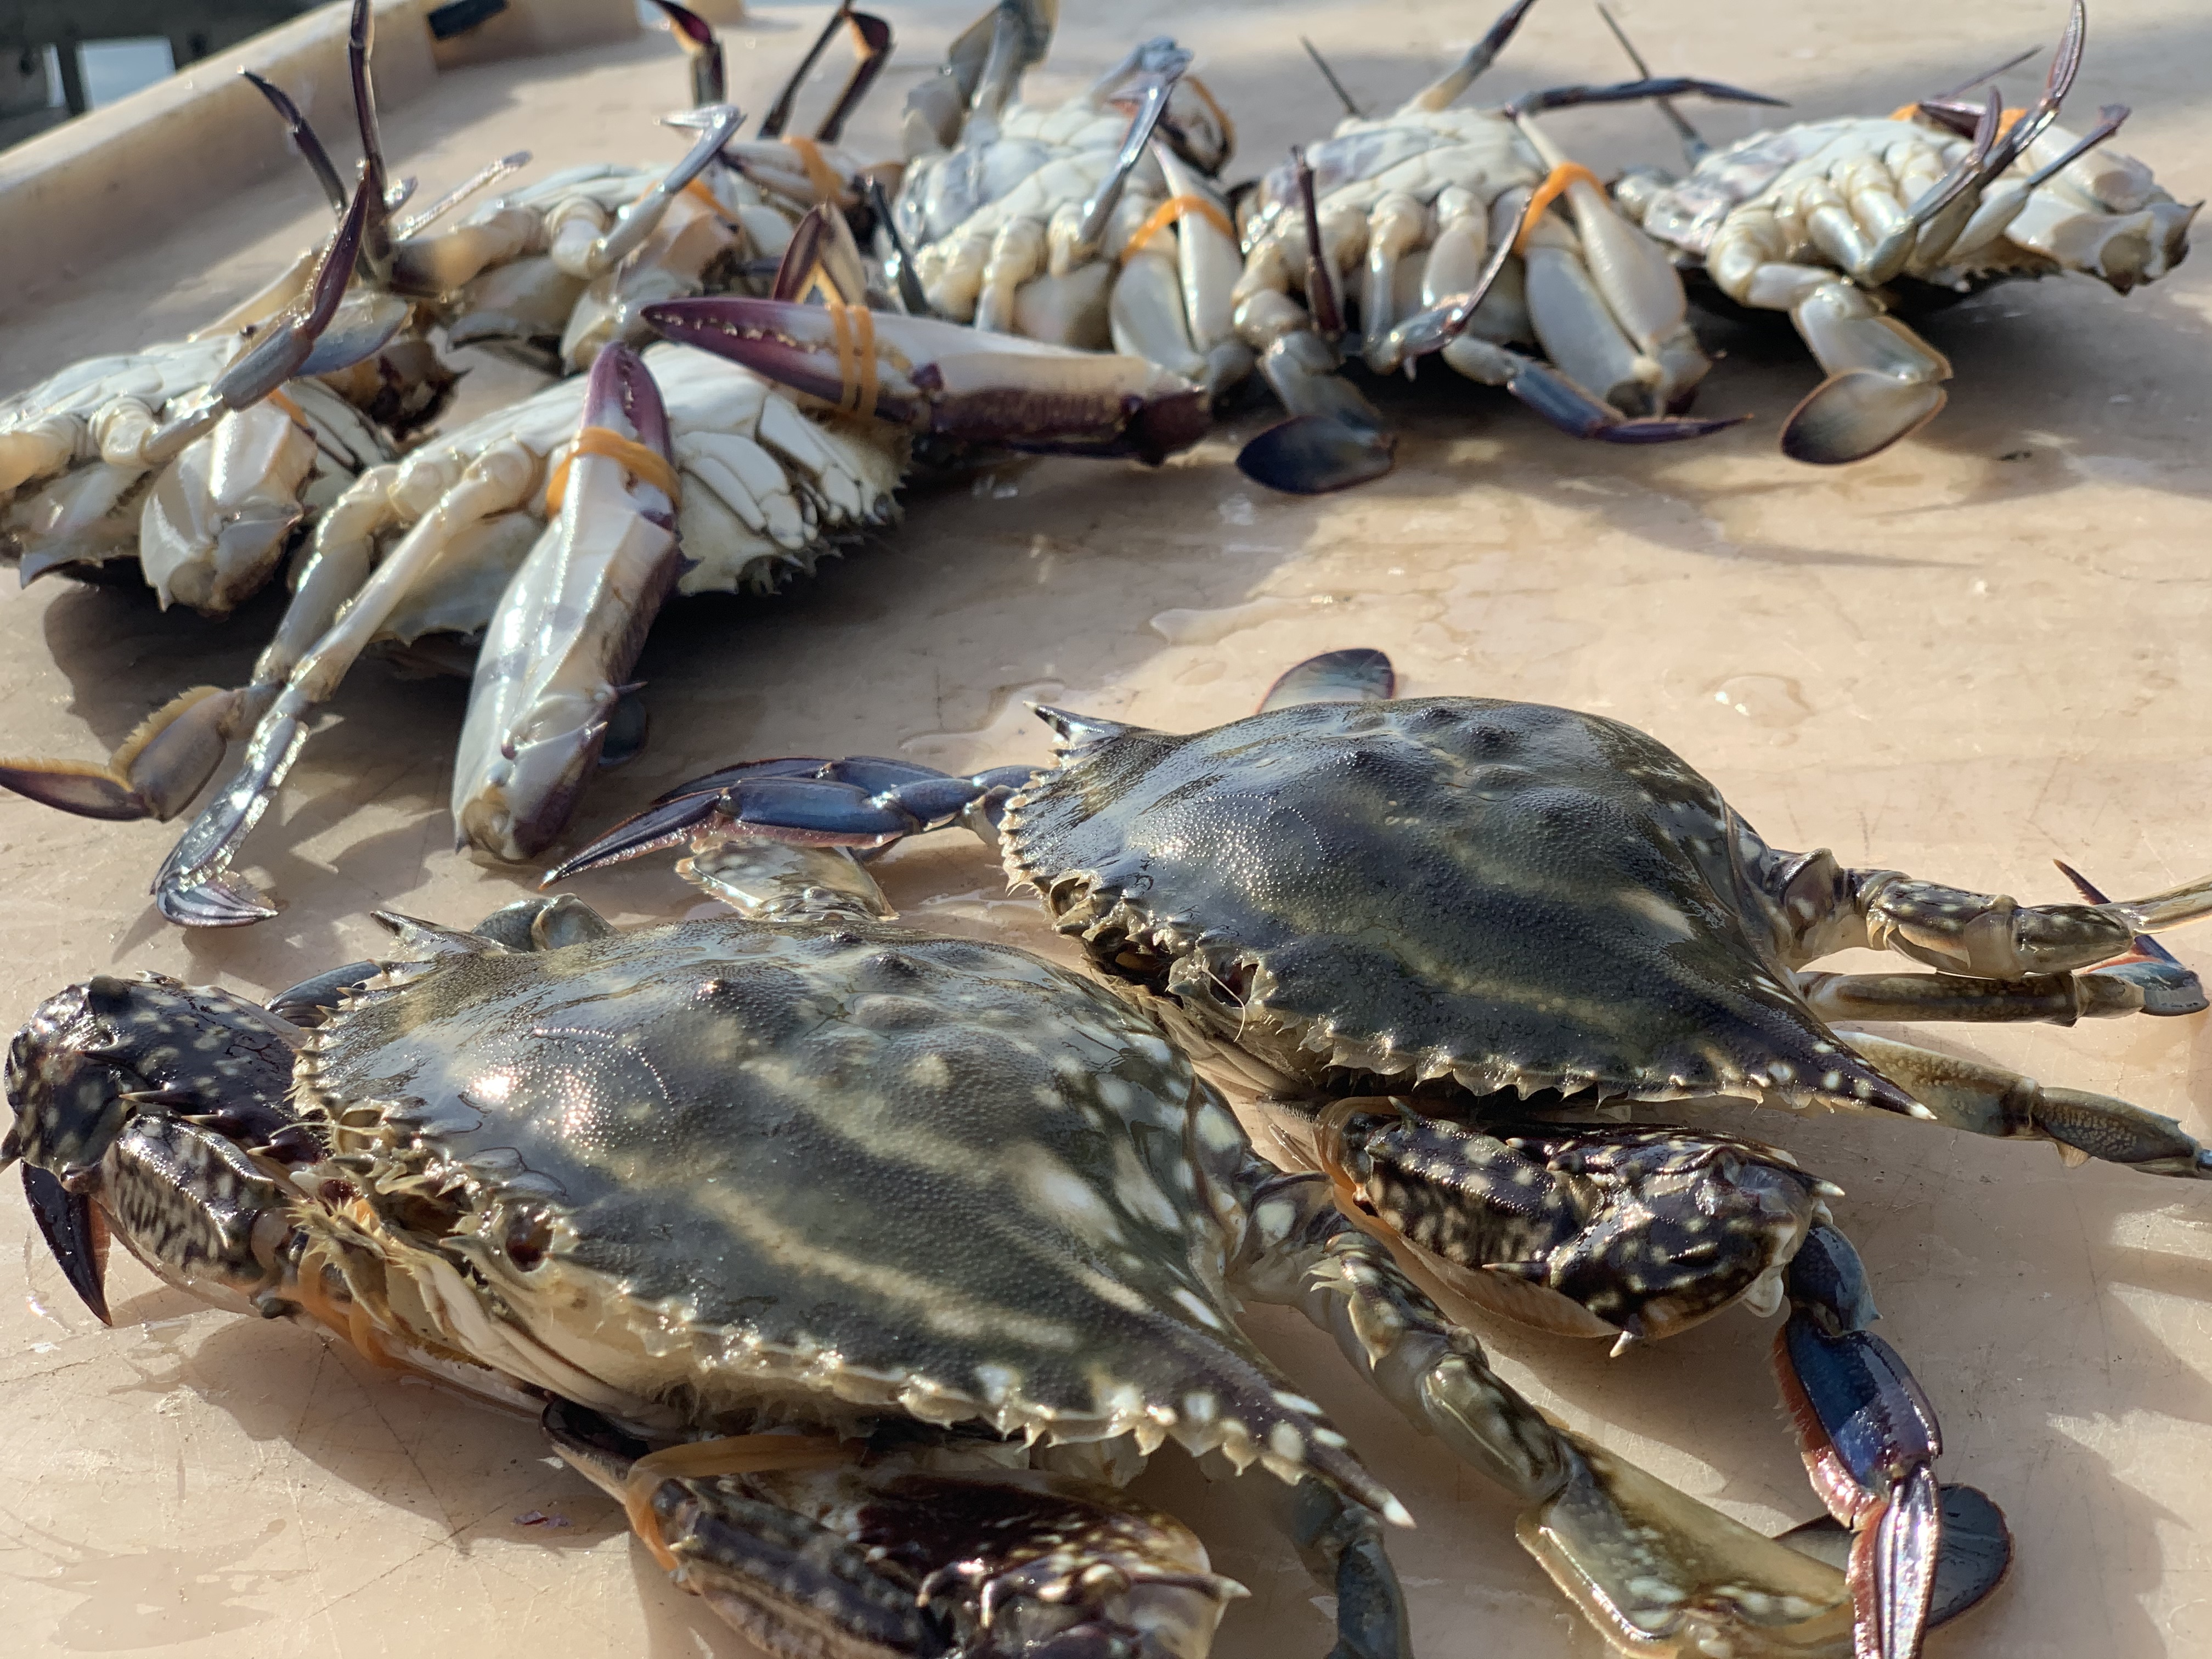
{"x":1972,"y":82}
{"x":1694,"y":147}
{"x":305,"y":144}
{"x":1330,"y":75}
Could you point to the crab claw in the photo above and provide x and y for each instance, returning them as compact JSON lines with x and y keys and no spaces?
{"x":1975,"y":1554}
{"x":300,"y":340}
{"x":74,"y":1232}
{"x":861,"y":802}
{"x":695,"y":36}
{"x":570,"y":623}
{"x":158,"y":770}
{"x":957,"y":383}
{"x":1869,"y":1440}
{"x":2168,"y":988}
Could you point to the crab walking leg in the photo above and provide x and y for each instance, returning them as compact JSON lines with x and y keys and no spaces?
{"x":1990,"y":1100}
{"x":1823,"y":906}
{"x":193,"y":888}
{"x":1653,"y":1569}
{"x":2142,"y":985}
{"x":571,"y":621}
{"x":806,"y":1553}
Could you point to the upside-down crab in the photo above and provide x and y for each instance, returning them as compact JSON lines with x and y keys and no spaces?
{"x":1090,"y":223}
{"x":1402,"y":920}
{"x":861,"y":1266}
{"x":1428,"y":230}
{"x":1841,"y":223}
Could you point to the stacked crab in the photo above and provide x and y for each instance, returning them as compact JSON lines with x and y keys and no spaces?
{"x":553,"y":528}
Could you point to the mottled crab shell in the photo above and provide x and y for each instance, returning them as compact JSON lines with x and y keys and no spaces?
{"x":836,"y":1169}
{"x":1504,"y":895}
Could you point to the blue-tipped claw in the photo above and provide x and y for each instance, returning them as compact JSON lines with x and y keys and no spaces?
{"x":2167,"y":986}
{"x":1972,"y":1559}
{"x":1869,"y":1440}
{"x":863,"y":802}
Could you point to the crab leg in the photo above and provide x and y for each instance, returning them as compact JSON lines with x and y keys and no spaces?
{"x":1991,"y":1100}
{"x":2140,"y":984}
{"x":1654,"y":1570}
{"x":166,"y":761}
{"x":792,"y":1543}
{"x":936,"y":377}
{"x":1823,"y":907}
{"x":147,"y":1122}
{"x":1444,"y":91}
{"x":1870,"y":1439}
{"x":571,"y":621}
{"x":1630,"y":1234}
{"x":193,"y":887}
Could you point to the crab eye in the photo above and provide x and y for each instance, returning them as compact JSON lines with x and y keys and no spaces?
{"x":525,"y":1241}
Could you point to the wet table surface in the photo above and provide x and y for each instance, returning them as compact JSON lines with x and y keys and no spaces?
{"x":1983,"y":650}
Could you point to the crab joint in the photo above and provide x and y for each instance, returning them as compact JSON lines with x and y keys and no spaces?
{"x":1554,"y":186}
{"x":645,"y":464}
{"x":855,"y":329}
{"x":1172,"y":211}
{"x":744,"y":1454}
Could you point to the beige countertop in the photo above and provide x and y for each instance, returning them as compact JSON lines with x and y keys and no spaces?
{"x":1982,"y":650}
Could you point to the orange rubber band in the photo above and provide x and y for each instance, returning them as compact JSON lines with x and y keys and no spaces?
{"x":1554,"y":186}
{"x":1168,"y":213}
{"x":646,"y":465}
{"x":854,"y":327}
{"x":298,"y":417}
{"x":1228,"y":126}
{"x":827,"y":187}
{"x":1911,"y":113}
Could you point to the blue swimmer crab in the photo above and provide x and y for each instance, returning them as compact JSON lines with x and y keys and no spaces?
{"x":1428,"y":230}
{"x":1843,"y":223}
{"x":1410,"y":923}
{"x":861,"y":1266}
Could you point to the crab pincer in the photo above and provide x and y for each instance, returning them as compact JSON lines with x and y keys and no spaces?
{"x":1870,"y":1439}
{"x":957,"y":384}
{"x":571,"y":623}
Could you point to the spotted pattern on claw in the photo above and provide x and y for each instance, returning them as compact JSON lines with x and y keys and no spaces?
{"x":1500,"y":894}
{"x":1646,"y":1229}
